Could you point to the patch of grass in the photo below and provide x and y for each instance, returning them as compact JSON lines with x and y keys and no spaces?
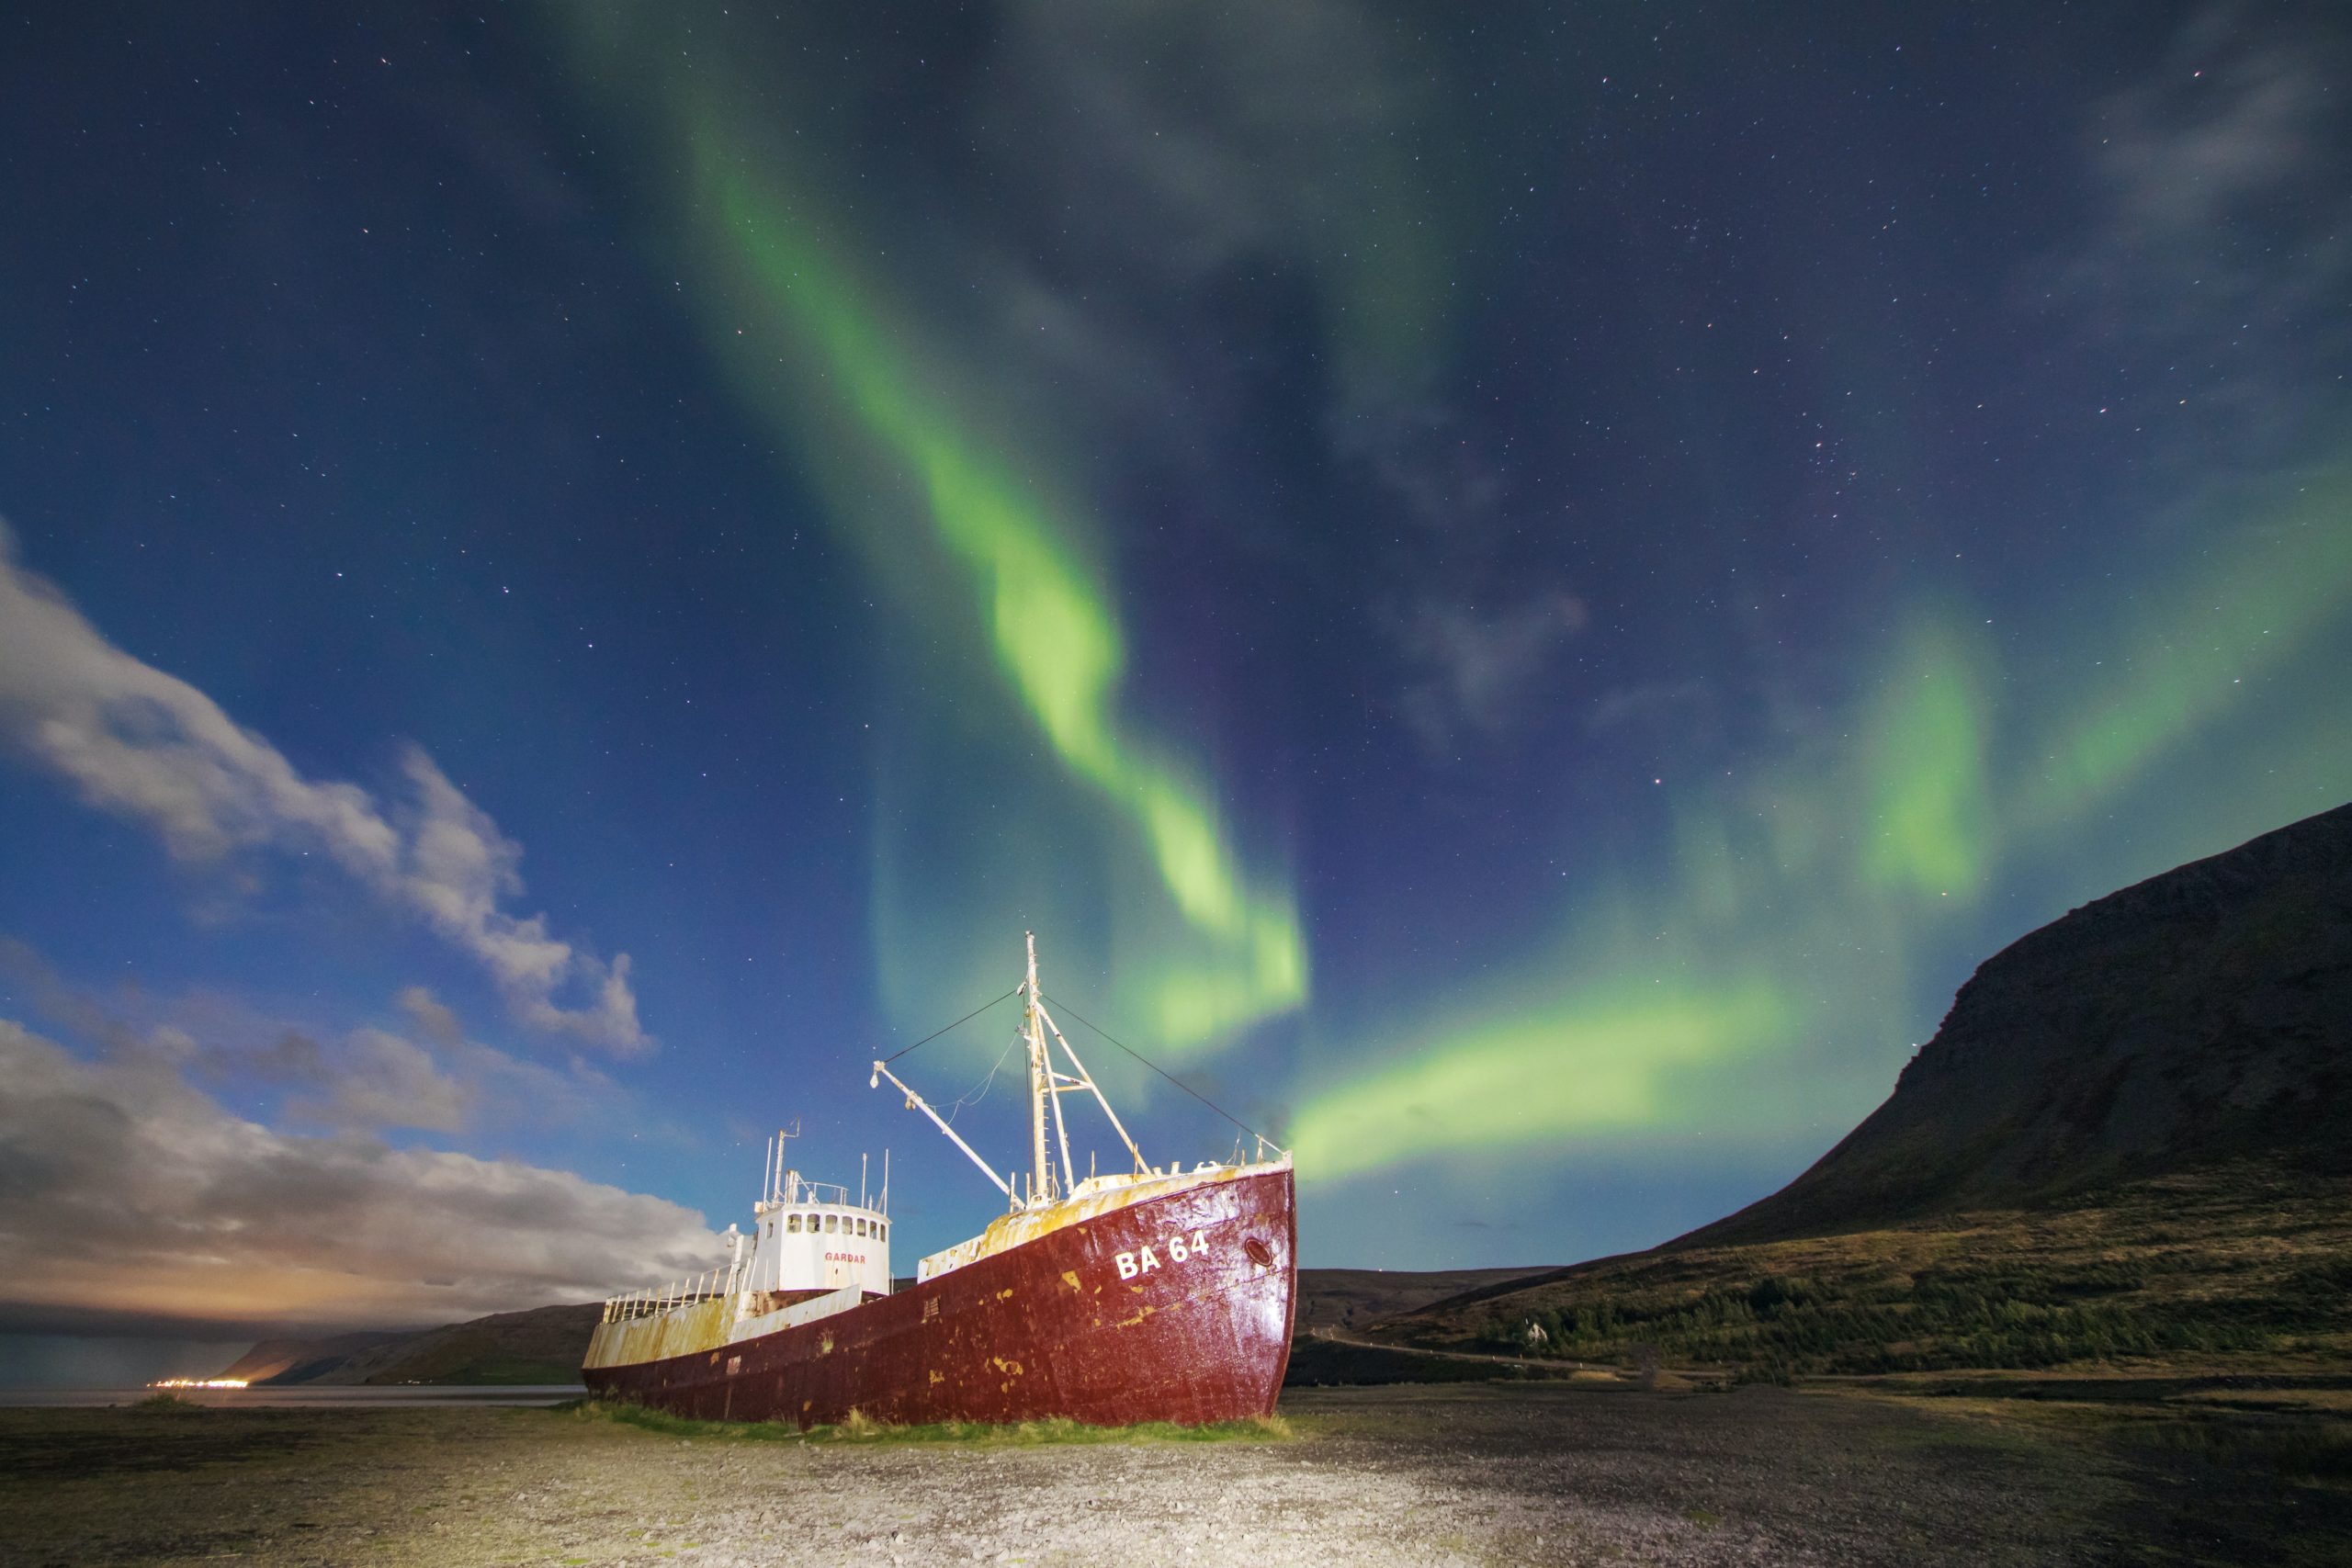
{"x":859,"y":1428}
{"x":2295,"y":1449}
{"x":166,"y":1405}
{"x":645,"y":1418}
{"x":2206,"y":1487}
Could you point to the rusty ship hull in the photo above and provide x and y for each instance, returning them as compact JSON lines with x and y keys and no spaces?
{"x":1175,"y":1306}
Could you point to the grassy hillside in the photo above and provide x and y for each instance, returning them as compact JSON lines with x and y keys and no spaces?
{"x":543,"y":1345}
{"x":2239,"y":1266}
{"x":293,"y":1361}
{"x":1338,"y":1298}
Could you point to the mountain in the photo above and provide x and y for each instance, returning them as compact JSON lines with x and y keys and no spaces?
{"x":294,"y":1360}
{"x":2200,"y":1016}
{"x":1337,"y":1298}
{"x":543,"y":1345}
{"x":2126,"y":1142}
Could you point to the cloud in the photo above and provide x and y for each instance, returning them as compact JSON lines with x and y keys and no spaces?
{"x":1655,"y":706}
{"x":368,"y":1078}
{"x":1481,"y":666}
{"x":2217,"y":228}
{"x":125,"y":1191}
{"x":381,"y":1080}
{"x":436,"y":1021}
{"x":1278,"y":154}
{"x":2230,"y":122}
{"x":1473,"y":622}
{"x":1197,"y":136}
{"x":150,"y":747}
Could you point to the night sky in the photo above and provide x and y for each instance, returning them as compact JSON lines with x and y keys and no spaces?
{"x":1517,"y":594}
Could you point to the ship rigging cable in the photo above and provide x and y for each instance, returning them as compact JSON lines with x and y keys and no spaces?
{"x":971,"y":1015}
{"x":1106,"y":1034}
{"x":975,"y":1095}
{"x":1163,"y":1072}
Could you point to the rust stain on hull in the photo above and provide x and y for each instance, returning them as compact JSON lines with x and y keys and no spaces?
{"x":1206,"y":1336}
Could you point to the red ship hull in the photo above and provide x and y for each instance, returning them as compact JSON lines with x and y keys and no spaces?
{"x":1177,"y":1308}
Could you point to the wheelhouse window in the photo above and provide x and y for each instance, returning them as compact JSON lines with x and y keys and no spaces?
{"x":832,"y":1224}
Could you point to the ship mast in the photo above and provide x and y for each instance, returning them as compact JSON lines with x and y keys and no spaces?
{"x":1041,"y":1069}
{"x":1045,"y":1094}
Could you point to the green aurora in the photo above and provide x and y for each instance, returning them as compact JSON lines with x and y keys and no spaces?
{"x":1710,"y":988}
{"x":1048,"y":619}
{"x":1796,"y":910}
{"x":961,"y":526}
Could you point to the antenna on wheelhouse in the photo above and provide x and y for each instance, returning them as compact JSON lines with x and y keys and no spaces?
{"x":776,"y":1170}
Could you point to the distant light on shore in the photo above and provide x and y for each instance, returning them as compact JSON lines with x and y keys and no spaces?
{"x":198,"y":1382}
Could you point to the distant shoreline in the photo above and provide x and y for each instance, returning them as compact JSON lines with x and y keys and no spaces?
{"x":303,"y":1397}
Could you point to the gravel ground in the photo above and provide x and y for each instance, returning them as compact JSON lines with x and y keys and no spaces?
{"x":1481,"y":1473}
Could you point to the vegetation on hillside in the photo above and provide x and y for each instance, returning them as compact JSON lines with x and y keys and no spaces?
{"x":2218,"y":1265}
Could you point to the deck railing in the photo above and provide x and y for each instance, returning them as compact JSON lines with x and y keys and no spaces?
{"x":690,"y":1292}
